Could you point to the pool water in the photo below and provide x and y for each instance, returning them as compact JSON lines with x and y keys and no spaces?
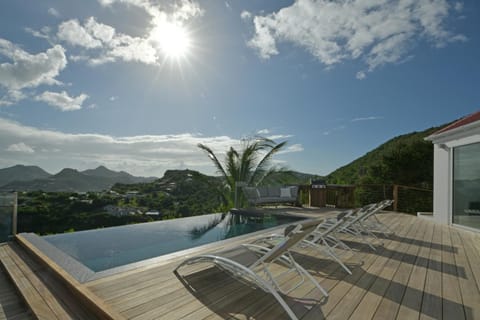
{"x":103,"y":249}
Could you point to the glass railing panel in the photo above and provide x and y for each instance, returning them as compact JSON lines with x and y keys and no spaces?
{"x":8,"y":216}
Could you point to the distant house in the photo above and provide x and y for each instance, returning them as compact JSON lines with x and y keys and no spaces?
{"x":152,"y":213}
{"x":121,"y":211}
{"x":131,"y":194}
{"x":456,"y":173}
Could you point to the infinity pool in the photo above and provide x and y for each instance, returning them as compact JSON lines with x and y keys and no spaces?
{"x":103,"y":249}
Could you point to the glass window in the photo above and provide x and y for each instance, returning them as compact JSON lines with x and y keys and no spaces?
{"x":466,"y":185}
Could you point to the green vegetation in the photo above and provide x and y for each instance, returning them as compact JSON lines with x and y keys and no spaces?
{"x":56,"y":212}
{"x":250,"y":165}
{"x":404,"y":160}
{"x":179,"y":193}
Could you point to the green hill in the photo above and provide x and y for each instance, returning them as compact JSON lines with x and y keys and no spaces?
{"x":404,"y":160}
{"x":178,"y":193}
{"x":22,"y":173}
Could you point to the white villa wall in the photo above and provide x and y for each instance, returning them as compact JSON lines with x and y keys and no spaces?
{"x":443,"y":168}
{"x":441,"y":184}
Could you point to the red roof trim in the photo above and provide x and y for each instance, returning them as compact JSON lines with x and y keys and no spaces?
{"x":460,"y":123}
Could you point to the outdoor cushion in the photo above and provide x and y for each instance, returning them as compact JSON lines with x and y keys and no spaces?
{"x":285,"y":193}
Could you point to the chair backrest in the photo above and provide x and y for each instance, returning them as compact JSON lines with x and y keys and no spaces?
{"x":293,"y":235}
{"x":361,"y":214}
{"x":341,"y":220}
{"x":375,"y":208}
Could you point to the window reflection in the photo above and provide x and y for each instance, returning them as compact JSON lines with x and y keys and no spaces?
{"x":466,"y":185}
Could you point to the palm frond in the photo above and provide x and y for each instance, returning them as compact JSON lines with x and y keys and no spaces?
{"x":214,"y":159}
{"x":265,"y":162}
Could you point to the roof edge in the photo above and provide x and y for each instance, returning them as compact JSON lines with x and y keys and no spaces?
{"x":453,"y":132}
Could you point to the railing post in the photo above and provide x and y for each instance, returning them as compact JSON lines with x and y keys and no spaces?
{"x":395,"y":197}
{"x":14,"y":214}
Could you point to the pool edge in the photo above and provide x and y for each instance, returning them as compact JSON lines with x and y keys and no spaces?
{"x":87,"y":297}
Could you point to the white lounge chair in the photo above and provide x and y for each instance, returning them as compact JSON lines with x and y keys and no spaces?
{"x":361,"y":224}
{"x":250,"y":262}
{"x":321,"y":239}
{"x":372,"y":222}
{"x":353,"y":225}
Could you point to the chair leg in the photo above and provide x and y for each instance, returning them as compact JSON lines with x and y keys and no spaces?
{"x":312,"y":279}
{"x":334,"y":257}
{"x":285,"y":306}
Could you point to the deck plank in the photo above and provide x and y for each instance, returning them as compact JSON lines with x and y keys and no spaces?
{"x":470,"y":242}
{"x":468,"y":287}
{"x":412,"y":299}
{"x":432,"y":294}
{"x":452,"y":297}
{"x":392,"y":299}
{"x":339,"y":287}
{"x":11,"y":304}
{"x":353,"y":297}
{"x":367,"y":307}
{"x":29,"y":291}
{"x":391,"y":280}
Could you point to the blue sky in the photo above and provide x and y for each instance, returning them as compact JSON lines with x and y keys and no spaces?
{"x":136,"y":84}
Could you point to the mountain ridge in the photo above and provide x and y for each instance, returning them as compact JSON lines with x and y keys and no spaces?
{"x":67,"y":179}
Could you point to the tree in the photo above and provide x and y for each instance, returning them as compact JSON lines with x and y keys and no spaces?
{"x":410,"y":164}
{"x":251,"y":165}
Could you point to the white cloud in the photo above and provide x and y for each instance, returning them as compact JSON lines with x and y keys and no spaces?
{"x":62,"y":100}
{"x":279,"y":136}
{"x":20,"y":147}
{"x":181,"y":9}
{"x":367,"y":118}
{"x":103,"y":32}
{"x":360,"y":75}
{"x":263,"y":131}
{"x":132,"y":49}
{"x":11,"y":97}
{"x":140,"y":155}
{"x":30,"y":70}
{"x":44,"y":33}
{"x":54,"y":12}
{"x":77,"y":58}
{"x":458,"y":6}
{"x":376,"y":31}
{"x":104,"y":44}
{"x":245,"y":15}
{"x":293,"y":148}
{"x":186,"y":9}
{"x":110,"y":45}
{"x":113,"y":98}
{"x":73,"y":33}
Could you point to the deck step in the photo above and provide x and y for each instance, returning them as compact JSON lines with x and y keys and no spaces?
{"x":42,"y":303}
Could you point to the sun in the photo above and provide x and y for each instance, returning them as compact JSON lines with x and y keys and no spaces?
{"x":172,"y":39}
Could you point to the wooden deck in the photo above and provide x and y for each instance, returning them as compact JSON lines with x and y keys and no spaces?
{"x":11,"y":303}
{"x":424,"y":271}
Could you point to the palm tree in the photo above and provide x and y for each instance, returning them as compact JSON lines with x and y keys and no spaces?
{"x":252,"y":165}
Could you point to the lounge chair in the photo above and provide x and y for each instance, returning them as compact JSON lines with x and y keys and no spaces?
{"x":374,"y":224}
{"x":362,"y":223}
{"x":354,"y":225}
{"x":250,"y":262}
{"x":321,"y":239}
